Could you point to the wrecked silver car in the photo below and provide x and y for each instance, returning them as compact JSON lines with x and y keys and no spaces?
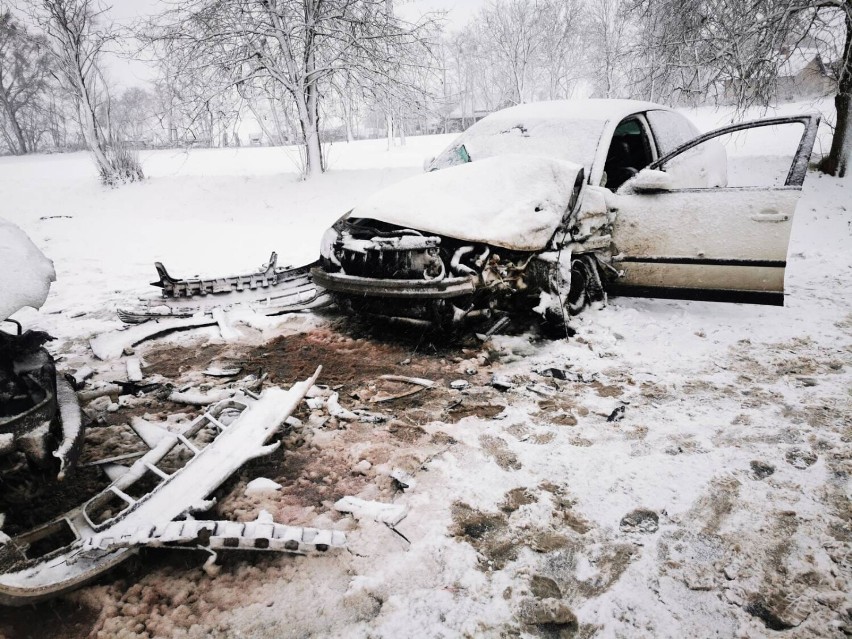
{"x":549,"y":206}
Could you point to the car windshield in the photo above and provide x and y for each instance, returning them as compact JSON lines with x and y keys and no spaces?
{"x":575,"y":140}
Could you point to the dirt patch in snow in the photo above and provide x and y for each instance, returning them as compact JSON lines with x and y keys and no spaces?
{"x":351,"y":357}
{"x":176,"y":360}
{"x":56,"y":618}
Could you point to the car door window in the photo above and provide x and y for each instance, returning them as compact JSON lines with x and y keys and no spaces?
{"x":629,"y":152}
{"x":759,"y":156}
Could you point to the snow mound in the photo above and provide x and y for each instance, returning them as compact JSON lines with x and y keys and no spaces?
{"x":512,"y":201}
{"x":25,"y":273}
{"x":261,"y":486}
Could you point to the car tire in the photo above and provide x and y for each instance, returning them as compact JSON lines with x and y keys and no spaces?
{"x":579,"y":294}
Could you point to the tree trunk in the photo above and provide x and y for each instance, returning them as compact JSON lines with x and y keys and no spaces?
{"x":23,"y":147}
{"x":7,"y":107}
{"x":838,"y":160}
{"x":260,"y":122}
{"x":89,"y":129}
{"x":347,"y":118}
{"x":283,"y":137}
{"x":306,"y":104}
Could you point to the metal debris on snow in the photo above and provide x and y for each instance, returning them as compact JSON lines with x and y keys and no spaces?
{"x":390,"y":514}
{"x":147,"y":504}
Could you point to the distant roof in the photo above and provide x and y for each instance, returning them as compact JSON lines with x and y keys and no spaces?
{"x":798,"y":60}
{"x":458,"y":113}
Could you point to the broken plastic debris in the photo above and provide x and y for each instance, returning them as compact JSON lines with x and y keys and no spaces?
{"x":134,"y":370}
{"x":108,"y":528}
{"x":197,"y":398}
{"x":111,"y":345}
{"x":501,"y":382}
{"x":81,"y":375}
{"x":262,"y":486}
{"x":315,"y":403}
{"x":390,"y":514}
{"x":404,"y":480}
{"x":151,"y":434}
{"x":563,"y":374}
{"x":419,"y":382}
{"x":617,"y":415}
{"x":428,"y":383}
{"x":222,"y":371}
{"x":336,"y":410}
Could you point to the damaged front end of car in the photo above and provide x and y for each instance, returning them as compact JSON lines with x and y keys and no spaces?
{"x":423,"y":279}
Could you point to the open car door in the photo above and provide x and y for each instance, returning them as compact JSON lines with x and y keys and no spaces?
{"x":711,"y":220}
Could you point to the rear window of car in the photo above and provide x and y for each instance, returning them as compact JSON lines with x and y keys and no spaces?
{"x":574,"y":140}
{"x":670,"y":129}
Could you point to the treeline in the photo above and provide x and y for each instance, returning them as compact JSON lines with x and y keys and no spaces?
{"x":309,"y":71}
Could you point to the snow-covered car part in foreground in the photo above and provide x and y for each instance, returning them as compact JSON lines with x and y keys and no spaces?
{"x":271,"y":290}
{"x":150,"y":503}
{"x":41,"y":433}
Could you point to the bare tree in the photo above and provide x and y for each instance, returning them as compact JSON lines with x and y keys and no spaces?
{"x":133,"y":115}
{"x":515,"y":29}
{"x":76,"y":41}
{"x":608,"y":39}
{"x":736,"y":50}
{"x":561,"y":41}
{"x":299,"y":45}
{"x":513,"y":51}
{"x":24,"y":81}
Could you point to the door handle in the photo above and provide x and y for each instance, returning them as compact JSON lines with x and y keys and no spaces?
{"x":770,"y":215}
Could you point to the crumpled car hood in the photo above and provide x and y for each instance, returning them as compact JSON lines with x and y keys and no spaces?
{"x":512,"y":201}
{"x":26,"y":274}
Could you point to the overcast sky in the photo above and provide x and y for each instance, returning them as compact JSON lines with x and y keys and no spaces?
{"x":128,"y":73}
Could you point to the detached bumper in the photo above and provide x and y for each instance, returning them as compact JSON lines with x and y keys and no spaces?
{"x":405,"y":289}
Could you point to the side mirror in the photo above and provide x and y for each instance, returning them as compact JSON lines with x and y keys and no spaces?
{"x":648,"y":181}
{"x":428,"y":162}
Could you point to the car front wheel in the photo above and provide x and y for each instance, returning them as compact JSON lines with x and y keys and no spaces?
{"x":585,"y":286}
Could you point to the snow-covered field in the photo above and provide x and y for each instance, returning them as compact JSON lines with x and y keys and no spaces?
{"x":688,"y":478}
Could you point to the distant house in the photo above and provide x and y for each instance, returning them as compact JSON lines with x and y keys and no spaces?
{"x":802,"y":73}
{"x":460,"y":119}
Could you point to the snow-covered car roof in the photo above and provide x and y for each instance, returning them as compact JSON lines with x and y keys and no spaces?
{"x":561,"y":129}
{"x":597,"y":109}
{"x":26,"y":273}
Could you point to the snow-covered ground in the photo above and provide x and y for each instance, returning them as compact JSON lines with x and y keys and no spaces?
{"x":688,"y":478}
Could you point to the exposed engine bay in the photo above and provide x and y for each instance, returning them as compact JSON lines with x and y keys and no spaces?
{"x":378,"y":269}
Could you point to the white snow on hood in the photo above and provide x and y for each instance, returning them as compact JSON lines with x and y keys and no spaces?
{"x":511,"y":201}
{"x":25,"y":273}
